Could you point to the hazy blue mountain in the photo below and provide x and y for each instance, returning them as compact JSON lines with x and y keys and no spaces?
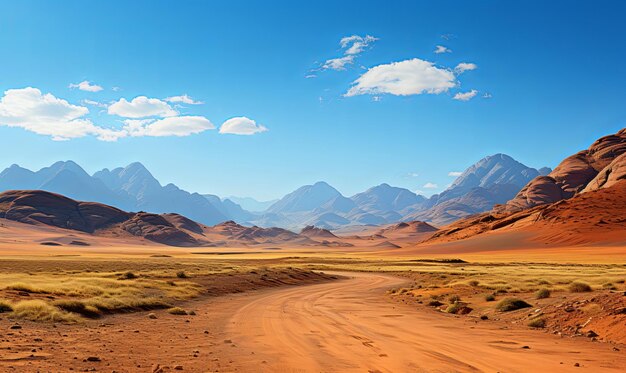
{"x":492,"y":180}
{"x":251,"y":204}
{"x":306,"y":198}
{"x":137,"y":182}
{"x":384,"y":197}
{"x":130,"y":188}
{"x":66,"y":178}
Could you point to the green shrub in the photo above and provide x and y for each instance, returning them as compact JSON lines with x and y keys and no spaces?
{"x":579,"y":287}
{"x":454,"y":298}
{"x":542,"y":294}
{"x":511,"y":304}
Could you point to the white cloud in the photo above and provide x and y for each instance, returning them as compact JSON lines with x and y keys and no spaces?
{"x":141,"y":107}
{"x":94,"y":103}
{"x":172,"y":126}
{"x":185,"y":99}
{"x":487,"y":95}
{"x":310,"y":76}
{"x":356,"y":44}
{"x":465,"y":96}
{"x":464,"y":66}
{"x":353,"y":46}
{"x":455,"y":173}
{"x":48,"y":115}
{"x":241,"y":126}
{"x":430,"y":186}
{"x":44,"y":114}
{"x":86,"y":86}
{"x":409,"y":77}
{"x":412,"y":174}
{"x":115,"y":89}
{"x":338,"y":63}
{"x":441,"y":49}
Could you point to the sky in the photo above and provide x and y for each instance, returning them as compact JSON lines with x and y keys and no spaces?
{"x":257,"y":98}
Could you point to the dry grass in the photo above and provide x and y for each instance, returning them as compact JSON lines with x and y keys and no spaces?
{"x":39,"y":310}
{"x":511,"y":304}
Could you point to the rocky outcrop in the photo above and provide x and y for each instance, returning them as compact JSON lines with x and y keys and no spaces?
{"x":592,"y":167}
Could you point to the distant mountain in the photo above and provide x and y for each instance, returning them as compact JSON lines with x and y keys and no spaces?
{"x":131,"y":188}
{"x":384,"y":198}
{"x":492,"y":180}
{"x":251,"y":204}
{"x":306,"y":198}
{"x":65,"y":178}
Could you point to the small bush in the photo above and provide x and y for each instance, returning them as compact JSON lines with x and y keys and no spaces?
{"x":490,"y":297}
{"x":177,"y":311}
{"x":537,"y":322}
{"x":511,"y":304}
{"x":542,"y":294}
{"x":181,"y":274}
{"x":473,"y":283}
{"x":5,"y":306}
{"x":454,"y":298}
{"x":128,"y":276}
{"x":579,"y":287}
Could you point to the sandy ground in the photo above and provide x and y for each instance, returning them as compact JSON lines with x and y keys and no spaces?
{"x":343,"y":326}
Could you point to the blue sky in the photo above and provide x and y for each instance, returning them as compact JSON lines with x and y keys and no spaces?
{"x":552,"y":71}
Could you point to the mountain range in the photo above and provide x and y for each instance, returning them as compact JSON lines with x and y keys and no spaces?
{"x":493,"y":180}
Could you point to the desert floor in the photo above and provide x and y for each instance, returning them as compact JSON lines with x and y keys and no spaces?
{"x":263,"y":311}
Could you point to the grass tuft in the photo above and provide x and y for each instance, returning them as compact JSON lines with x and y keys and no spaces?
{"x":579,"y":287}
{"x":38,"y":310}
{"x":537,"y":322}
{"x":511,"y":304}
{"x":177,"y":311}
{"x":542,"y":294}
{"x":5,"y":306}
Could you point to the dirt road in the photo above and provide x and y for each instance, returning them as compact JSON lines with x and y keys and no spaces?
{"x":349,"y":326}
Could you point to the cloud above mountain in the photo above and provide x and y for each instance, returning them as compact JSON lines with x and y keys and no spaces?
{"x":409,"y":77}
{"x":86,"y":86}
{"x":141,"y":107}
{"x":352,"y":47}
{"x":241,"y":126}
{"x":44,"y":114}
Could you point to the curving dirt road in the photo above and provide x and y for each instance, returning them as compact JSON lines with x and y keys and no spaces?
{"x":349,"y":326}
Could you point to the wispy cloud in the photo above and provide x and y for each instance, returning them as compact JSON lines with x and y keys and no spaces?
{"x":352,"y":47}
{"x":86,"y":86}
{"x":409,"y":77}
{"x":172,"y":126}
{"x":487,"y":95}
{"x":184,"y":99}
{"x":441,"y":49}
{"x":241,"y":126}
{"x":412,"y":174}
{"x":455,"y":173}
{"x":465,"y":66}
{"x":430,"y":186}
{"x":94,"y":103}
{"x":465,"y":96}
